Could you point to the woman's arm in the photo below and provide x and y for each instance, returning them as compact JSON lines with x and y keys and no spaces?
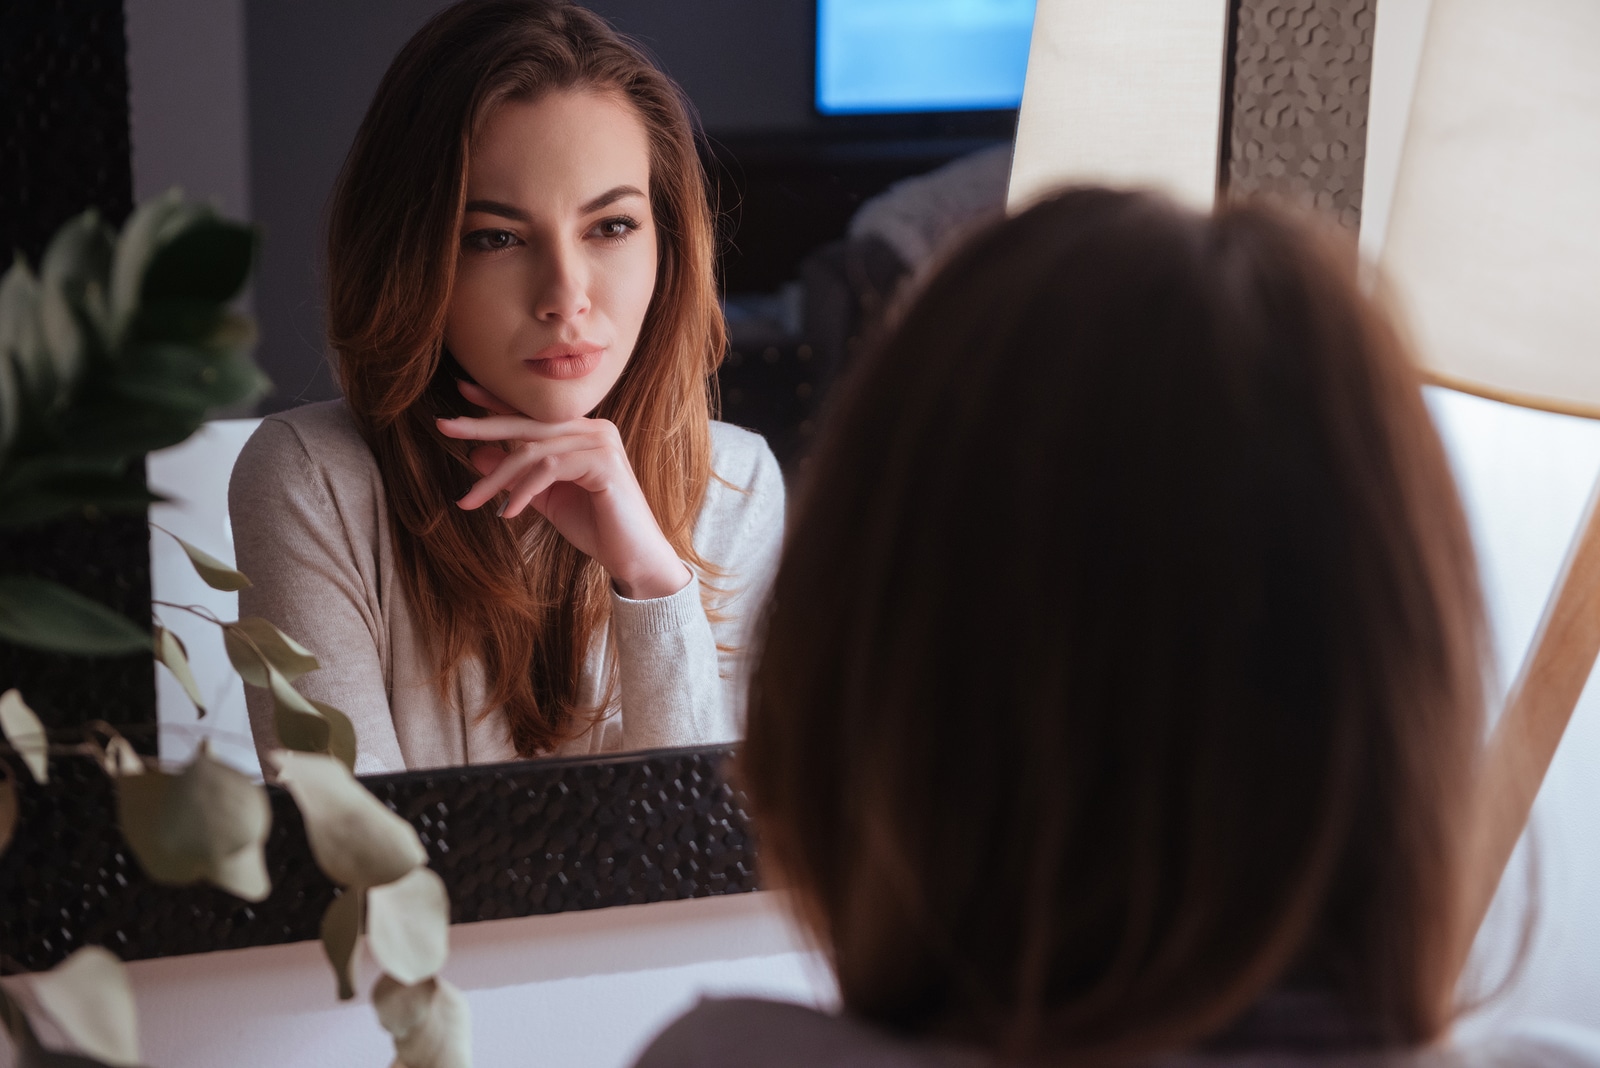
{"x":306,"y":529}
{"x":683,"y":678}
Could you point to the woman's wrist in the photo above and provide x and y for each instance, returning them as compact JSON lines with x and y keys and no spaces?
{"x":660,"y":580}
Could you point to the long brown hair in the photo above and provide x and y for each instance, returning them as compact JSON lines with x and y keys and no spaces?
{"x":516,"y":594}
{"x":1122,"y":664}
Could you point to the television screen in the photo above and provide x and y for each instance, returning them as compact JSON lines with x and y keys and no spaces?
{"x":880,"y":56}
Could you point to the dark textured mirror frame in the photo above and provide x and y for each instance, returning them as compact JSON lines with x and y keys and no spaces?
{"x":548,"y":836}
{"x":508,"y":839}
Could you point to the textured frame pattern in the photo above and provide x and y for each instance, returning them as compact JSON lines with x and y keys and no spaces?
{"x":1296,"y":123}
{"x":547,"y":836}
{"x":508,"y":839}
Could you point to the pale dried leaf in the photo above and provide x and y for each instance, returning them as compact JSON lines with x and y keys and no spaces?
{"x":8,"y":811}
{"x":300,"y":731}
{"x":284,"y":695}
{"x":26,"y":734}
{"x":355,"y":839}
{"x":341,"y":932}
{"x":243,"y":874}
{"x":215,"y":573}
{"x":121,"y":758}
{"x":170,"y":651}
{"x":89,"y":997}
{"x":198,"y":824}
{"x":341,"y":734}
{"x":431,"y":1022}
{"x":219,"y":809}
{"x":29,"y":1051}
{"x":408,"y":925}
{"x":253,"y":640}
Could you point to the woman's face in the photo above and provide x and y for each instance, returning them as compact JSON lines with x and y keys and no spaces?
{"x":558,"y":252}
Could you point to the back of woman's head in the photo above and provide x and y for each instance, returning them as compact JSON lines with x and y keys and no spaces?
{"x":1121,"y":666}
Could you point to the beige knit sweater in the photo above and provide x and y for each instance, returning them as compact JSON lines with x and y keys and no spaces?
{"x":310,"y":528}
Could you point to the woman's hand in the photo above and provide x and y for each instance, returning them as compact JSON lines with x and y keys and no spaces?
{"x":577,"y":475}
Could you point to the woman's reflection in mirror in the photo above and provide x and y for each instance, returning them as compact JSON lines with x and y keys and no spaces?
{"x":520,"y":533}
{"x":1121,"y":689}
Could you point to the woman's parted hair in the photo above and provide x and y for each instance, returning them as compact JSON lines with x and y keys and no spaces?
{"x":514,"y":593}
{"x":1122,"y":663}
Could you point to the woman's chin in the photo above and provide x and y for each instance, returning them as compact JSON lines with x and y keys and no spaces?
{"x":557,"y":410}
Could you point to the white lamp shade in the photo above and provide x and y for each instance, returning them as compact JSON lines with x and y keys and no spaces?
{"x":1494,"y":236}
{"x":1123,"y":93}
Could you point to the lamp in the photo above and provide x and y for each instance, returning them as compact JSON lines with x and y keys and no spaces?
{"x":1493,"y":249}
{"x":1122,"y":93}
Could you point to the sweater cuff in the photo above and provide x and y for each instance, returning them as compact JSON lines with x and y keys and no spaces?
{"x":658,"y":615}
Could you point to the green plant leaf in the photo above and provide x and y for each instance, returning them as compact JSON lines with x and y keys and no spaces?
{"x":170,"y":651}
{"x":207,"y":259}
{"x":89,"y":997}
{"x":196,"y":824}
{"x":78,"y":262}
{"x":10,"y":404}
{"x":430,"y":1021}
{"x":219,"y":576}
{"x":22,"y":337}
{"x":8,"y":811}
{"x":73,"y":278}
{"x":75,"y":495}
{"x":42,"y":614}
{"x":408,"y":925}
{"x":355,"y":839}
{"x":341,"y":734}
{"x":151,"y":225}
{"x":252,"y":640}
{"x":195,"y":376}
{"x":112,"y":427}
{"x":26,"y":734}
{"x":341,"y":932}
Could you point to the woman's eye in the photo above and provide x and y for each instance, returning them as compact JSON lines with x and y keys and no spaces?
{"x":616,"y":229}
{"x":489,"y":240}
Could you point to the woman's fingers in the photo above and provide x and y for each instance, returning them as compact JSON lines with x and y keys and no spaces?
{"x":561,"y":467}
{"x":476,"y":394}
{"x":502,"y":428}
{"x":486,"y":459}
{"x":520,"y":462}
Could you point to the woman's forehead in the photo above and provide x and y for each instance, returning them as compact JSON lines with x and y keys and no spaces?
{"x":559,"y":151}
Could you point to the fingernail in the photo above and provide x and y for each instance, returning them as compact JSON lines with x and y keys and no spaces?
{"x":500,"y":509}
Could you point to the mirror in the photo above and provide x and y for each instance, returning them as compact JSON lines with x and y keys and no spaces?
{"x":812,"y":110}
{"x":204,"y":117}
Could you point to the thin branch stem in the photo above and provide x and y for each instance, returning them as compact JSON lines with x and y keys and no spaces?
{"x":195,"y":610}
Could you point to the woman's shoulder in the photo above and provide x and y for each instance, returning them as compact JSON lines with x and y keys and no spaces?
{"x":742,"y":459}
{"x":320,"y":436}
{"x":322,"y":429}
{"x":313,"y":450}
{"x":771,"y":1034}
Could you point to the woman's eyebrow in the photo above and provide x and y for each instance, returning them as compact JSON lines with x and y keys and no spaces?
{"x":495,"y":207}
{"x":609,"y":197}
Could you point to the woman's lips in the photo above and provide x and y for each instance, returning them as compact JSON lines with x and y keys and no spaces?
{"x":567,"y":364}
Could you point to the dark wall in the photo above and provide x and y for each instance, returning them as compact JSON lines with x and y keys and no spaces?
{"x":314,"y":64}
{"x":64,"y":148}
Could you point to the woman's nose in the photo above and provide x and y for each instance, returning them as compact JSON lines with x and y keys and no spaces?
{"x":562,"y":291}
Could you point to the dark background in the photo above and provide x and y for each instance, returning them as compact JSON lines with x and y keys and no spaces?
{"x":787,"y":178}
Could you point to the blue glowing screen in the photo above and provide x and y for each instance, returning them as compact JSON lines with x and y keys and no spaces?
{"x":921,"y":55}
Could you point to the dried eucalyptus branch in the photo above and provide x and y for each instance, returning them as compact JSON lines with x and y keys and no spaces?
{"x":119,"y":346}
